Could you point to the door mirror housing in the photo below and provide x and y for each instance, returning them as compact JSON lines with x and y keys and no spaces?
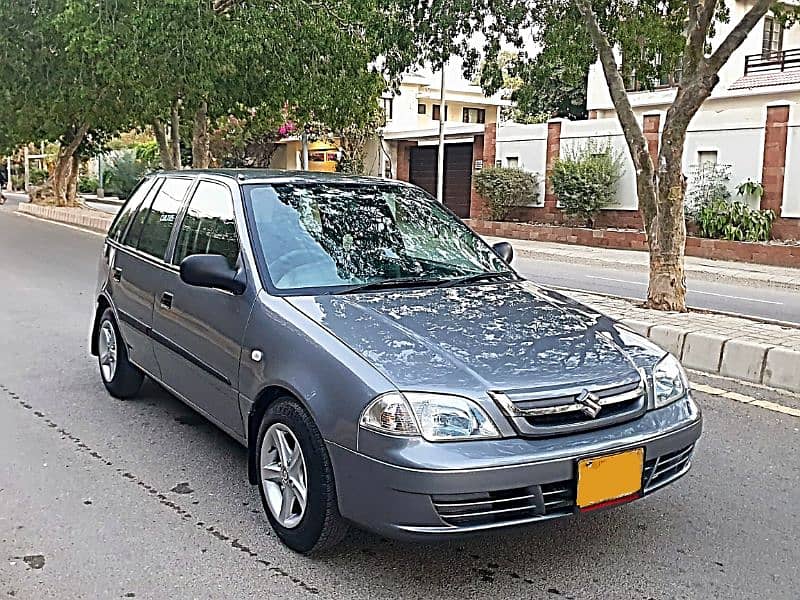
{"x":211,"y":271}
{"x":505,"y":251}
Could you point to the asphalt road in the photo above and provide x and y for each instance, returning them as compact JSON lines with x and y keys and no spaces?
{"x":774,"y":303}
{"x":107,"y":499}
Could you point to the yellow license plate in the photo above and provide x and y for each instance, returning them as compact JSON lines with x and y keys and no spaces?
{"x":606,"y":478}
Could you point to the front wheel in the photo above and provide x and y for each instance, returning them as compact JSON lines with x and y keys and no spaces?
{"x":121,"y":378}
{"x":296,"y":480}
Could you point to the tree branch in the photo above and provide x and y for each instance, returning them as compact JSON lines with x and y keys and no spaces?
{"x":701,"y":14}
{"x":616,"y":86}
{"x":737,"y":35}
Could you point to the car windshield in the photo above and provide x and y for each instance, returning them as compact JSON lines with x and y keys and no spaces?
{"x":329,"y":237}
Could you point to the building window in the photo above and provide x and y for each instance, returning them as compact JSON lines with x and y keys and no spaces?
{"x":388,"y":106}
{"x":436,"y":112}
{"x":707,"y":157}
{"x":422,"y":108}
{"x":512,"y":162}
{"x":474,"y":115}
{"x":772,"y":42}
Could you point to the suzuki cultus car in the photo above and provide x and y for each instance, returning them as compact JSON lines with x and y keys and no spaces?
{"x":382,"y":364}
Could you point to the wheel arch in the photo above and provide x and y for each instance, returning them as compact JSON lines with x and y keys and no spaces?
{"x":102,"y":304}
{"x":264,"y":400}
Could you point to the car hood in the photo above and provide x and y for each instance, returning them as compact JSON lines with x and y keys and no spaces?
{"x":509,"y":336}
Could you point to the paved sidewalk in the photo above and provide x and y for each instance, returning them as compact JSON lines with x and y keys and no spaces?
{"x":730,"y":346}
{"x":712,"y":270}
{"x":735,"y":347}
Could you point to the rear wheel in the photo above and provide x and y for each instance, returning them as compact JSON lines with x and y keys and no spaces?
{"x":296,"y":480}
{"x":121,"y":378}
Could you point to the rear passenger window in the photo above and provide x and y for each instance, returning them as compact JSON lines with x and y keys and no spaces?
{"x":129,"y":209}
{"x":209,"y":227}
{"x":158,"y":223}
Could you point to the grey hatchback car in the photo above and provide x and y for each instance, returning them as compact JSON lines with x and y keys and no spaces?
{"x":381,"y":363}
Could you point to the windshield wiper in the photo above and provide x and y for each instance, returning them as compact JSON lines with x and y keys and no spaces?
{"x":400,"y":282}
{"x":475,"y":277}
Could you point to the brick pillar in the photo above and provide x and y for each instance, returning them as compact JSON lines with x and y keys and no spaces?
{"x":476,"y":201}
{"x":403,"y":160}
{"x":651,"y":126}
{"x":774,"y":163}
{"x":592,"y":114}
{"x":484,"y":148}
{"x":553,"y":151}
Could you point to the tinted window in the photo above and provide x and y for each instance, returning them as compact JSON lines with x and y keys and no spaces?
{"x":137,"y":220}
{"x":208,"y":227}
{"x":129,"y":209}
{"x":161,"y":216}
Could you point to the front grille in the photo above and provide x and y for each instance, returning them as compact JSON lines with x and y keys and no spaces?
{"x":558,"y":411}
{"x":665,"y":468}
{"x":506,"y":506}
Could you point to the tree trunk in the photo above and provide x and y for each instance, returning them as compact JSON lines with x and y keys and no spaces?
{"x":72,"y":181}
{"x":59,"y":179}
{"x":175,"y":133}
{"x":200,"y":142}
{"x":661,"y":191}
{"x":164,"y":149}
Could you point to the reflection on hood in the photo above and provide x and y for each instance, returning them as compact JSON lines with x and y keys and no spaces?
{"x":493,"y":336}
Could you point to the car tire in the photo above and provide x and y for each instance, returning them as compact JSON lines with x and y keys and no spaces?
{"x":121,"y":377}
{"x":320,"y":526}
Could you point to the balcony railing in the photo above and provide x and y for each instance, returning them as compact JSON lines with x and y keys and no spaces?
{"x":772,"y":62}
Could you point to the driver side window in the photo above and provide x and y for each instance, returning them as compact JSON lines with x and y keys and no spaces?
{"x":209,"y":226}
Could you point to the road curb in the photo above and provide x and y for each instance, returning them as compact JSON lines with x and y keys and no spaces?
{"x":70,"y":216}
{"x":770,"y":365}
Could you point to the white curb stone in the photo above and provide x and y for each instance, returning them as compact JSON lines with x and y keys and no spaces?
{"x":669,"y":338}
{"x":782,"y":369}
{"x":639,"y":327}
{"x":703,"y":351}
{"x":743,"y":359}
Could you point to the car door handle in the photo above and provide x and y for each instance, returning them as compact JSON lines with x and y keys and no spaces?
{"x":116,"y":274}
{"x":166,"y":300}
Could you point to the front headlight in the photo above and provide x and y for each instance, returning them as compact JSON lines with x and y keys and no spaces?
{"x":436,"y":417}
{"x":669,"y":381}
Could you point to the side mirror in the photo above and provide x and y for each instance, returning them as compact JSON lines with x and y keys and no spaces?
{"x":211,"y":271}
{"x":505,"y":251}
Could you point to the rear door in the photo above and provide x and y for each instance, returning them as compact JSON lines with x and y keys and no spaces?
{"x":125,"y":285}
{"x":139,"y":267}
{"x":198,"y":331}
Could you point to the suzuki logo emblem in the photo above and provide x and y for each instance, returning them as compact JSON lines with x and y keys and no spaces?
{"x":588,"y":402}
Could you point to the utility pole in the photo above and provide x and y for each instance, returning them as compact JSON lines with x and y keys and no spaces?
{"x":27,"y":169}
{"x":304,"y":150}
{"x":440,"y":156}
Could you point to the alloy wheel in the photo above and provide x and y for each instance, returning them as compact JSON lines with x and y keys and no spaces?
{"x":283,"y":475}
{"x":107,"y":346}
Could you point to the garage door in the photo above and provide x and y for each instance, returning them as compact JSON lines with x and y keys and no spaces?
{"x":457,"y":169}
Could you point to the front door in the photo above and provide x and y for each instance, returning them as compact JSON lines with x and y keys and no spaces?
{"x":198,"y":332}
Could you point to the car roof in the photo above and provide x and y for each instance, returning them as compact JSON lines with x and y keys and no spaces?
{"x":244,"y":176}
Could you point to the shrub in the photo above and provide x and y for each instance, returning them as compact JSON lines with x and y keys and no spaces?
{"x":123,"y":174}
{"x":751,"y":189}
{"x":585,"y":179}
{"x":87,"y":184}
{"x":735,"y":221}
{"x":707,"y":182}
{"x":504,"y":187}
{"x":37,"y":176}
{"x":148,"y":154}
{"x":18,"y":182}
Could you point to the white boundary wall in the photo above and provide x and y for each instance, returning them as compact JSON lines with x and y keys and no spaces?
{"x":736,"y":135}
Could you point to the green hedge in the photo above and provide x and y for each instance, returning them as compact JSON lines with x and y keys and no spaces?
{"x":504,"y":188}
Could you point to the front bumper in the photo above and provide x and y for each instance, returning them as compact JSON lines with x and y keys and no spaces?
{"x":423,"y":491}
